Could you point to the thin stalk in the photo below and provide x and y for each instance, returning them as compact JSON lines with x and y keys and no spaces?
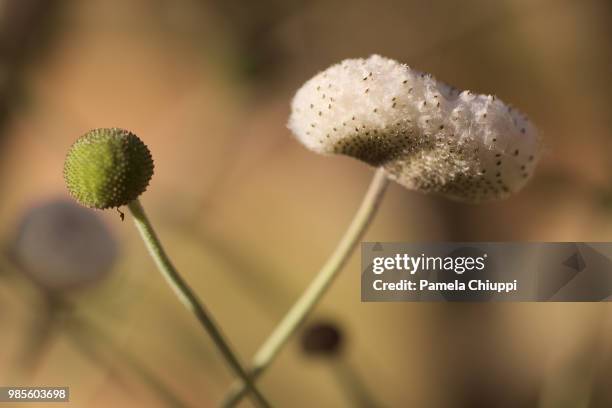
{"x":41,"y":336}
{"x":353,"y":385}
{"x":89,"y":338}
{"x":317,"y":288}
{"x":189,"y":299}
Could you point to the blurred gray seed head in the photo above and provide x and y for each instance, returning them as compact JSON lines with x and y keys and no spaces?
{"x":427,"y":135}
{"x":322,"y":339}
{"x":62,"y":246}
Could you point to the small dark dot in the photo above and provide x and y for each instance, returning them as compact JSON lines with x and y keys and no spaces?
{"x":530,"y":158}
{"x":523,"y":130}
{"x":494,"y":139}
{"x":498,"y":163}
{"x":404,"y":81}
{"x":441,"y":127}
{"x":516,"y":152}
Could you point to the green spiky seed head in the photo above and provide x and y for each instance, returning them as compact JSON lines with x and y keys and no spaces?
{"x":107,"y":168}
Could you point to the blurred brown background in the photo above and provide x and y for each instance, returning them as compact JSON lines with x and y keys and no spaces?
{"x":248,"y":215}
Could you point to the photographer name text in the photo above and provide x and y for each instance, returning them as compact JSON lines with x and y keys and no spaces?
{"x":458,"y":265}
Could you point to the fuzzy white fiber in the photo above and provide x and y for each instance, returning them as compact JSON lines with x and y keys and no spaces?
{"x":426,"y":135}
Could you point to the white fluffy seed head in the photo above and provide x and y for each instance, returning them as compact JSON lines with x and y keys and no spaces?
{"x":427,"y":135}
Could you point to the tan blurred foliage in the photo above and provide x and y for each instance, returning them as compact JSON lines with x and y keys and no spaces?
{"x":249,"y":215}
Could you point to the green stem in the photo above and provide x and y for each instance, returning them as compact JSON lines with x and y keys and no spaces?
{"x":311,"y":296}
{"x":189,"y":299}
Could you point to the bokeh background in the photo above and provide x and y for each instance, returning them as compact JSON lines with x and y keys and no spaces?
{"x":248,"y":215}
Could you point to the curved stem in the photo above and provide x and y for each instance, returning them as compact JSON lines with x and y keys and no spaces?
{"x":189,"y":299}
{"x":317,"y":288}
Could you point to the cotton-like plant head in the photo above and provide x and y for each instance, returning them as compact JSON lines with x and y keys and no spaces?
{"x":426,"y":135}
{"x":108,"y":168}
